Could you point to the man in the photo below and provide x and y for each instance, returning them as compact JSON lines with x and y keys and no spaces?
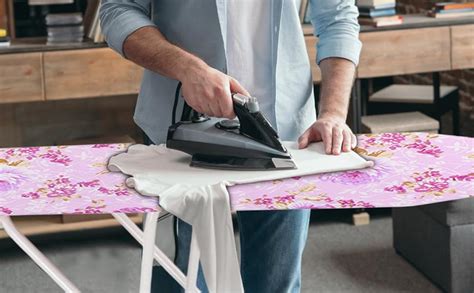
{"x":253,"y":47}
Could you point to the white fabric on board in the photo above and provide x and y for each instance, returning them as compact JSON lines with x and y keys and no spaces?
{"x":199,"y":196}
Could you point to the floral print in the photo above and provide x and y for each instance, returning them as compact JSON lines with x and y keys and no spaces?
{"x":430,"y":182}
{"x":5,"y":211}
{"x":10,"y":179}
{"x":53,"y":155}
{"x":66,"y":180}
{"x":410,"y":169}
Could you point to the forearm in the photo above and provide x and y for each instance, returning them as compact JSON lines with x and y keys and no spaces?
{"x":337,"y":79}
{"x":148,"y":48}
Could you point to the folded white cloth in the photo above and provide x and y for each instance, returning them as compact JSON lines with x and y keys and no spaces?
{"x":199,"y":196}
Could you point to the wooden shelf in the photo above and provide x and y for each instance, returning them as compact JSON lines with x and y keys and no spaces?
{"x":410,"y":21}
{"x":38,"y":44}
{"x":37,"y":225}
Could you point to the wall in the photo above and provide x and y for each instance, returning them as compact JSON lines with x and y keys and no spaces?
{"x":464,"y":79}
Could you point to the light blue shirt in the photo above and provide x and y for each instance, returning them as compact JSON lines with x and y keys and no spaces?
{"x":199,"y":26}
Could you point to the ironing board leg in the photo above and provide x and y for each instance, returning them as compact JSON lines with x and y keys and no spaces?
{"x":37,"y":256}
{"x":151,"y":221}
{"x":193,"y":265}
{"x":160,"y":257}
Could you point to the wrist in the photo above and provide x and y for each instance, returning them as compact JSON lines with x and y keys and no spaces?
{"x":333,"y":115}
{"x":190,"y":66}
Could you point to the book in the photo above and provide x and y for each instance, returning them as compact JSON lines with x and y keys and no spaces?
{"x":58,"y":19}
{"x":382,"y":21}
{"x":450,"y":15}
{"x":453,"y":5}
{"x":378,"y":13}
{"x":49,"y":2}
{"x":64,"y":28}
{"x":4,"y":41}
{"x":373,"y":2}
{"x":455,"y":10}
{"x":380,"y":6}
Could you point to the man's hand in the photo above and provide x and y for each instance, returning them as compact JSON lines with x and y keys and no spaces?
{"x":333,"y":132}
{"x":204,"y":88}
{"x":208,"y":91}
{"x":337,"y":77}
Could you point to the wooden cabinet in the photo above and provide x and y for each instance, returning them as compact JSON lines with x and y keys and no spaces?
{"x":462,"y":42}
{"x":21,"y":78}
{"x":397,"y":52}
{"x":89,"y":73}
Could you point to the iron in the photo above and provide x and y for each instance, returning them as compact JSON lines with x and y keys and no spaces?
{"x":249,"y":143}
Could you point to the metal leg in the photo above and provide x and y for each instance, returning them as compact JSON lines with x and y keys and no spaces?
{"x":37,"y":256}
{"x":160,"y":257}
{"x":151,"y":222}
{"x":193,"y":265}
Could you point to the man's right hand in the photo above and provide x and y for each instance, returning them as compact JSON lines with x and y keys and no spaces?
{"x":204,"y":88}
{"x":208,"y":91}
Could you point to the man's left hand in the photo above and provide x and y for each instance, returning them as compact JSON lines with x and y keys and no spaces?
{"x":334,"y":133}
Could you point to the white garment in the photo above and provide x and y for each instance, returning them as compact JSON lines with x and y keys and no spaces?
{"x":199,"y":196}
{"x":249,"y":49}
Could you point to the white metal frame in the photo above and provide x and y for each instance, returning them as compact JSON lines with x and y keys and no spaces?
{"x":146,"y":238}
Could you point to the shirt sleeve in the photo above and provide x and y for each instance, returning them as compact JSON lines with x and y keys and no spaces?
{"x":120,"y":18}
{"x":335,"y":24}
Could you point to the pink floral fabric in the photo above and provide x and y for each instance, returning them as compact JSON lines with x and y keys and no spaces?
{"x":66,"y":180}
{"x":410,"y":169}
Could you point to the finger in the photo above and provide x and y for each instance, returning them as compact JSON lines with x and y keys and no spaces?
{"x":303,"y":140}
{"x":236,"y":87}
{"x":215,"y":109}
{"x":347,"y":140}
{"x":327,"y":139}
{"x":225,"y":103}
{"x":336,"y":140}
{"x":310,"y":135}
{"x":206,"y":109}
{"x":195,"y":107}
{"x":354,"y":140}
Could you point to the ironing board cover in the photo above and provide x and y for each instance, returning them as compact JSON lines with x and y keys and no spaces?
{"x":410,"y":169}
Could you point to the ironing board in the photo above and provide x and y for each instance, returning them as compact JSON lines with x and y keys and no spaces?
{"x":410,"y":169}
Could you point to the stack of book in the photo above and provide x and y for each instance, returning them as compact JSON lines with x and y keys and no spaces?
{"x":378,"y":13}
{"x":64,"y":28}
{"x":452,"y":9}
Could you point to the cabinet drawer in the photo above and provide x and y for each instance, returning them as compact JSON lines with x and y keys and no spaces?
{"x":311,"y":48}
{"x":89,"y":73}
{"x":404,"y":52}
{"x":20,"y":78}
{"x":462,"y":42}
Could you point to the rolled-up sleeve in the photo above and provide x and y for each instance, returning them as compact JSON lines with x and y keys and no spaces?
{"x":335,"y":24}
{"x":120,"y":18}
